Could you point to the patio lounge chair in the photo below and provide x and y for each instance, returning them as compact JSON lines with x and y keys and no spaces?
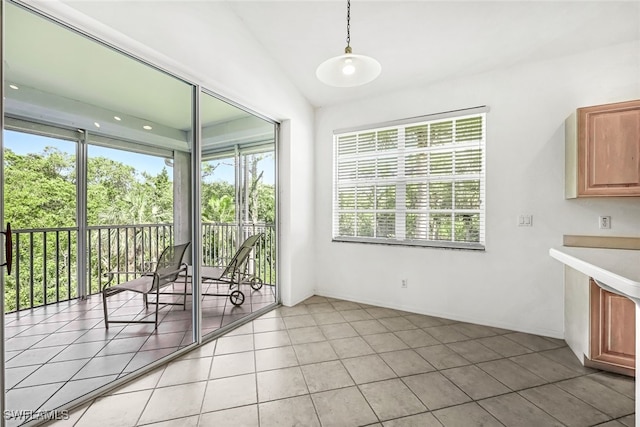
{"x":235,"y":273}
{"x":167,"y":271}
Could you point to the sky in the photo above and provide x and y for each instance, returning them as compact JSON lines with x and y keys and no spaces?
{"x":23,"y":143}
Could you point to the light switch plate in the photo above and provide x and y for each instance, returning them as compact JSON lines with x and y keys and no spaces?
{"x":525,"y":221}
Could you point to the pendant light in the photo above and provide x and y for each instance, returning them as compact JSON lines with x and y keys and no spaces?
{"x":349,"y":69}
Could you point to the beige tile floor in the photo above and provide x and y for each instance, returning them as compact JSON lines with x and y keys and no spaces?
{"x":327,"y":362}
{"x":59,"y":352}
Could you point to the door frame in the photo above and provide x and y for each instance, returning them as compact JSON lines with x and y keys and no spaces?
{"x":2,"y":254}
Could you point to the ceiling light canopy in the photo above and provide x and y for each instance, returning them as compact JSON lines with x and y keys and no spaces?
{"x":349,"y":69}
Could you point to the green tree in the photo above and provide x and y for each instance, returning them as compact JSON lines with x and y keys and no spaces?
{"x":159,"y":188}
{"x":218,"y":202}
{"x":220,"y":209}
{"x":40,"y":193}
{"x":107,"y":182}
{"x":49,"y":203}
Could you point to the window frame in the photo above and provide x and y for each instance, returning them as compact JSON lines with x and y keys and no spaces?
{"x":402,"y":181}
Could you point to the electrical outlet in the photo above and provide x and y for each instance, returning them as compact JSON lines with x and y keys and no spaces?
{"x":604,"y":222}
{"x":404,"y":283}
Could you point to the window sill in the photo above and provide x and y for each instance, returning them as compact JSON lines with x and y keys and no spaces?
{"x":413,"y":243}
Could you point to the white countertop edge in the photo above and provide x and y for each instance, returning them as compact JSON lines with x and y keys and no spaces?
{"x":620,"y":284}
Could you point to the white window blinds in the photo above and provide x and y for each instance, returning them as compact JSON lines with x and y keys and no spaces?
{"x":421,"y":182}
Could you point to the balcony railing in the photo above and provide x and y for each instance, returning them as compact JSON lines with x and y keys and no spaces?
{"x":219,"y":243}
{"x":46,"y":259}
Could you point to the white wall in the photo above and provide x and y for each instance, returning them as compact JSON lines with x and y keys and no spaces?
{"x":195,"y":43}
{"x":513,"y":284}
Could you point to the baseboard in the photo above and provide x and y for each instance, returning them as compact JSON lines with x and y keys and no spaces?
{"x":309,"y":295}
{"x":452,"y":316}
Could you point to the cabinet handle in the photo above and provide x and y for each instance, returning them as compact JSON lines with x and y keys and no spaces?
{"x":8,"y":248}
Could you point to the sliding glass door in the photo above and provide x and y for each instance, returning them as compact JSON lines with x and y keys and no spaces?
{"x":40,"y":203}
{"x":238,"y":204}
{"x":97,"y":184}
{"x":103,"y":175}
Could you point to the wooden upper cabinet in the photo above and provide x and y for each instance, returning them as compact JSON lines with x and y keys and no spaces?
{"x":603,"y":151}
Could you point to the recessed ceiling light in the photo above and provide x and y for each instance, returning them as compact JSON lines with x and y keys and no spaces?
{"x":147,"y":127}
{"x":96,"y":124}
{"x":14,"y":87}
{"x":117,"y":118}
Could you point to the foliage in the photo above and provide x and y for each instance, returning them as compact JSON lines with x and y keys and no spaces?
{"x":218,"y":202}
{"x":50,"y":203}
{"x":415,"y":182}
{"x":40,"y":193}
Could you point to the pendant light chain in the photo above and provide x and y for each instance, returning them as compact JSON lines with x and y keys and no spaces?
{"x":348,"y":48}
{"x":348,"y":22}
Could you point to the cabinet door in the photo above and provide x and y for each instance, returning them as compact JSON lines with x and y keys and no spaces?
{"x":609,"y":149}
{"x":612,"y":328}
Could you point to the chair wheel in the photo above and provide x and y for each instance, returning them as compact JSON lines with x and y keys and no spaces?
{"x":236,"y":298}
{"x":256,"y":283}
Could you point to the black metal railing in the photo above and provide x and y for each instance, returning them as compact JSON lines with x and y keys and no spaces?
{"x":45,"y":268}
{"x":220,"y":241}
{"x":123,"y":248}
{"x":46,"y":259}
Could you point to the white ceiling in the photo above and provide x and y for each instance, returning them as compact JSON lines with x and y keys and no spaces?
{"x":67,"y":79}
{"x":44,"y":56}
{"x":418,"y":42}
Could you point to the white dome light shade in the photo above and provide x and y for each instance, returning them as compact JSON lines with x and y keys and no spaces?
{"x":348,"y":70}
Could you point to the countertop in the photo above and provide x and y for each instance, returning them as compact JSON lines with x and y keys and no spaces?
{"x":617,"y":269}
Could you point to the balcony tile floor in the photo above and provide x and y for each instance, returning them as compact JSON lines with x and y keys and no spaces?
{"x":327,"y":362}
{"x":59,"y":352}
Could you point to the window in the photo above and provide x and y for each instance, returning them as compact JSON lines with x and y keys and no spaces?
{"x":419,"y":181}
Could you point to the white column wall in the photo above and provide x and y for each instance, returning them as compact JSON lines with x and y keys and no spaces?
{"x":514,"y":283}
{"x":182,"y":197}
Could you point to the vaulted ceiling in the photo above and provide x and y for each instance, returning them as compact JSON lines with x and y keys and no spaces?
{"x":417,"y":42}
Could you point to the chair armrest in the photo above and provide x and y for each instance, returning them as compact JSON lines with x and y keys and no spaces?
{"x":125,"y":272}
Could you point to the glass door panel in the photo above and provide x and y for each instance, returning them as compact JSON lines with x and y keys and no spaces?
{"x":219,"y":214}
{"x":238,"y":204}
{"x":129,"y":212}
{"x":40,"y":203}
{"x":98,"y":183}
{"x":258,"y":216}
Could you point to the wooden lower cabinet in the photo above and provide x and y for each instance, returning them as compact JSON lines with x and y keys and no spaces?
{"x":613,"y":331}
